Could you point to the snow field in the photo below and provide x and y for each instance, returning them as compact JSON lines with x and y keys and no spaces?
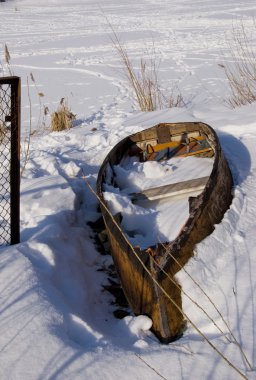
{"x":56,"y":321}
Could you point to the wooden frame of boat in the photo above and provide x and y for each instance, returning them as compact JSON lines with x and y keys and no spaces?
{"x":208,"y":197}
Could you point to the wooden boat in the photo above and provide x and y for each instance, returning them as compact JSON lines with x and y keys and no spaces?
{"x":209,"y":197}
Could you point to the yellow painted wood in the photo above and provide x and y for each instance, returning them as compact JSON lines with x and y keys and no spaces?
{"x":170,"y":144}
{"x":196,"y":152}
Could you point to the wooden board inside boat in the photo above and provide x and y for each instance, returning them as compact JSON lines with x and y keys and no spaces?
{"x":184,"y":189}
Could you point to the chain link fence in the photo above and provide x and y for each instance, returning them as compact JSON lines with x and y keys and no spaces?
{"x":9,"y":159}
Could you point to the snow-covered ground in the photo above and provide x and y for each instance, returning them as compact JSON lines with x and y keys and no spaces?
{"x":56,"y":321}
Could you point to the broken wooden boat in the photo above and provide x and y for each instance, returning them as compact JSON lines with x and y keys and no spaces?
{"x":147,"y":274}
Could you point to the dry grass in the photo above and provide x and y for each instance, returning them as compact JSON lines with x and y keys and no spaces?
{"x":63,"y":118}
{"x":241,"y":72}
{"x":196,"y":328}
{"x":182,"y":268}
{"x":7,"y":65}
{"x":7,"y":59}
{"x":144,"y":80}
{"x":1,"y":122}
{"x":42,"y":112}
{"x":28,"y":137}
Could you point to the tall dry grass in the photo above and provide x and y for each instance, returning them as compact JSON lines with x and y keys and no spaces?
{"x":7,"y":61}
{"x":241,"y":71}
{"x":144,"y":80}
{"x":2,"y":126}
{"x":43,"y":110}
{"x":31,"y":82}
{"x":5,"y":64}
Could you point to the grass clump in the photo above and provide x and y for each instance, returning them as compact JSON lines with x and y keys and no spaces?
{"x":241,"y":71}
{"x":62,"y":118}
{"x":144,"y":80}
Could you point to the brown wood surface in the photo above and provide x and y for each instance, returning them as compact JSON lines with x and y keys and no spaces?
{"x":207,"y":209}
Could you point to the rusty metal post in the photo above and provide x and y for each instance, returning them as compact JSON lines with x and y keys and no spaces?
{"x":15,"y":161}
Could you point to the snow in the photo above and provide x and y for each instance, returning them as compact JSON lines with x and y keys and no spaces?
{"x":133,"y":176}
{"x":148,"y":222}
{"x":56,"y":321}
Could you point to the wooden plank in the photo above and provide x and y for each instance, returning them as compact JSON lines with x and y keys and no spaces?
{"x":159,"y":147}
{"x":185,"y":188}
{"x":163,"y":134}
{"x":173,"y":144}
{"x":193,"y":153}
{"x":178,"y":149}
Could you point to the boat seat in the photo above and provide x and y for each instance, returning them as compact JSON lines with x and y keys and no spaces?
{"x":177,"y":190}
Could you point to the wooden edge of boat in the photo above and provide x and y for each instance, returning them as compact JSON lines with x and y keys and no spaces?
{"x":206,"y":210}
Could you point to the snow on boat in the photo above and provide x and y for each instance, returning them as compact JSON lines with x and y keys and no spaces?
{"x":165,"y":187}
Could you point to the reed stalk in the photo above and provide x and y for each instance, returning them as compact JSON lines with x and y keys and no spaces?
{"x":152,"y":368}
{"x":40,"y":95}
{"x":213,"y":304}
{"x":242,"y":375}
{"x":144,"y":81}
{"x":28,"y":139}
{"x":7,"y":58}
{"x":241,"y":72}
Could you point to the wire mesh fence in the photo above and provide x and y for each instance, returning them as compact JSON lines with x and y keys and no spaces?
{"x":9,"y":159}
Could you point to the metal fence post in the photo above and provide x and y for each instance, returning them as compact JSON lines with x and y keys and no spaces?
{"x":9,"y":160}
{"x":15,"y":162}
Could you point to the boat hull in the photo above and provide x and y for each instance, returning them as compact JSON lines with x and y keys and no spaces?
{"x":151,"y":288}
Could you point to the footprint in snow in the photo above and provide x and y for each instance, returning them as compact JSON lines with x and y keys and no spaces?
{"x":238,"y":236}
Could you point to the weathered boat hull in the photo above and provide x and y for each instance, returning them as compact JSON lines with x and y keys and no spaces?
{"x":207,"y":209}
